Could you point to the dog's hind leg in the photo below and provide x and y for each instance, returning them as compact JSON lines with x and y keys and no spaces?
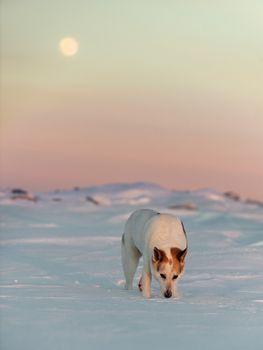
{"x":130,"y":259}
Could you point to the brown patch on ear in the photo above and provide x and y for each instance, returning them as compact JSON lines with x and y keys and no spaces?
{"x":179,"y":257}
{"x":178,"y":253}
{"x":158,"y":257}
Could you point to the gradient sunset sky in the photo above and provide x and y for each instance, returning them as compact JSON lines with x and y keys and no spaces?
{"x":164,"y":91}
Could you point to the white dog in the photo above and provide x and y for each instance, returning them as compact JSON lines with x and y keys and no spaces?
{"x":161,"y":240}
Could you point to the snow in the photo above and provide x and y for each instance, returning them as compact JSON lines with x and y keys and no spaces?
{"x":62,"y":280}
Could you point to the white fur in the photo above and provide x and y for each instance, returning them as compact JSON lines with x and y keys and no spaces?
{"x":144,"y":230}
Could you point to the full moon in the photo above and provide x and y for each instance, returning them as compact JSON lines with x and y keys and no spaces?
{"x":69,"y":46}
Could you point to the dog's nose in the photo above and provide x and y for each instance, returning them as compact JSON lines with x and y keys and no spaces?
{"x":168,"y":294}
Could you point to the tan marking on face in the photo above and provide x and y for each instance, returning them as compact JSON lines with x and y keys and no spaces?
{"x":159,"y":258}
{"x":162,"y":263}
{"x":170,"y":261}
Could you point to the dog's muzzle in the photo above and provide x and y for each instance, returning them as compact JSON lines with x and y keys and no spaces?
{"x":168,"y":294}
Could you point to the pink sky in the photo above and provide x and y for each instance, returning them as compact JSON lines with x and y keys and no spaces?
{"x":175,"y":144}
{"x":167,"y":101}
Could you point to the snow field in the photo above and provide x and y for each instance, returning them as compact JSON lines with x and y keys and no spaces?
{"x":62,"y":281}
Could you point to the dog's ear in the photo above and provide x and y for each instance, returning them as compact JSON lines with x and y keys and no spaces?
{"x":179,"y":254}
{"x":158,"y":255}
{"x":182,"y":255}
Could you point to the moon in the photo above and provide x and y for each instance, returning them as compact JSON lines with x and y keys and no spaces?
{"x":68,"y":46}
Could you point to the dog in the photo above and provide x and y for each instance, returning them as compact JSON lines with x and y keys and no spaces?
{"x":161,"y":240}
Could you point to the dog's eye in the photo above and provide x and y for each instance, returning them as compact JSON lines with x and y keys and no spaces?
{"x":163,"y":276}
{"x":174,"y":277}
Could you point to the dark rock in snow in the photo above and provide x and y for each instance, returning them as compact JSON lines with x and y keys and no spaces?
{"x":254,"y":202}
{"x":232,"y":195}
{"x":183,"y":206}
{"x":28,"y":197}
{"x":92,"y":200}
{"x":56,"y":199}
{"x":18,"y":191}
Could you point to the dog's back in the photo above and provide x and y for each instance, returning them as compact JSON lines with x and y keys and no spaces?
{"x":135,"y":227}
{"x":165,"y":231}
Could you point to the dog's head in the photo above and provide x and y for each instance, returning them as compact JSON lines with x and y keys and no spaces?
{"x":167,"y":268}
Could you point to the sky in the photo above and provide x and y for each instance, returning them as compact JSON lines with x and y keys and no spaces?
{"x":162,"y":91}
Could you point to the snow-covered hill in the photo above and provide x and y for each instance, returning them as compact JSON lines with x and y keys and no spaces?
{"x":62,"y":281}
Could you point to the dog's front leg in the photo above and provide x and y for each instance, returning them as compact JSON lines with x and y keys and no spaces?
{"x":146,"y":283}
{"x":174,"y":291}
